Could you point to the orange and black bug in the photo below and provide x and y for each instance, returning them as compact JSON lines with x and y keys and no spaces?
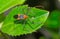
{"x":20,"y":17}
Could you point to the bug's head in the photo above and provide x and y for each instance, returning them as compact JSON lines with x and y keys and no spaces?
{"x":15,"y":16}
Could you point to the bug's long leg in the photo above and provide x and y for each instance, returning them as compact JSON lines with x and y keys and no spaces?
{"x":29,"y":23}
{"x":24,"y":25}
{"x":28,"y":10}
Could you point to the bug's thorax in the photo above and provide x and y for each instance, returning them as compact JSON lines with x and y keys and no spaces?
{"x":22,"y":16}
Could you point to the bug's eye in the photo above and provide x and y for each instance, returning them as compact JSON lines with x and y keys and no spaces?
{"x":15,"y":16}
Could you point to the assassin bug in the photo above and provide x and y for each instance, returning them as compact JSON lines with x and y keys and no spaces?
{"x":21,"y":17}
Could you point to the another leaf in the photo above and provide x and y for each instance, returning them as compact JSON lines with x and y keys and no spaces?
{"x":53,"y":20}
{"x":7,"y":4}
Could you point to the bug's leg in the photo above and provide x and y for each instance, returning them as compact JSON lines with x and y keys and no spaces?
{"x":18,"y":18}
{"x":24,"y":25}
{"x":28,"y":10}
{"x":29,"y":23}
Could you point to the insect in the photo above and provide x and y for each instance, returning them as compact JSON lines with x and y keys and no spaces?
{"x":20,"y":17}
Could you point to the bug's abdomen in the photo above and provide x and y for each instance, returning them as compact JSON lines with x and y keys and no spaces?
{"x":21,"y":17}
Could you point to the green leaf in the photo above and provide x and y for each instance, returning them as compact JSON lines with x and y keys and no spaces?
{"x":35,"y":20}
{"x":7,"y":4}
{"x":53,"y":20}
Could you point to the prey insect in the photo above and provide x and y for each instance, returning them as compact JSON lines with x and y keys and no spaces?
{"x":23,"y":18}
{"x":20,"y":17}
